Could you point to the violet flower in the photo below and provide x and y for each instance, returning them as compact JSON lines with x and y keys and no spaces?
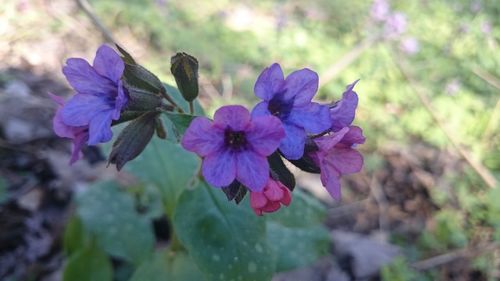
{"x":271,"y":198}
{"x":395,"y":25}
{"x":290,"y":100}
{"x":99,"y":97}
{"x":79,"y":135}
{"x":380,"y":10}
{"x":342,"y":112}
{"x":336,"y":157}
{"x":234,"y":146}
{"x":409,"y":45}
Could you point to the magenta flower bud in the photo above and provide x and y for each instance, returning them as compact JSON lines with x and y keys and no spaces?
{"x":271,"y":198}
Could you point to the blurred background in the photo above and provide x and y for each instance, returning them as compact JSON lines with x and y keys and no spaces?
{"x":425,"y":207}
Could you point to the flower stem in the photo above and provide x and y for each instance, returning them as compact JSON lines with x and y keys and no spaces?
{"x":191,"y":109}
{"x":171,"y":101}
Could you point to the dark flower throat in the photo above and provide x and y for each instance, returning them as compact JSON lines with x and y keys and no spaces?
{"x":236,"y":140}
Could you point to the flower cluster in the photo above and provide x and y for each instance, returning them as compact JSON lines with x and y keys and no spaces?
{"x":242,"y":151}
{"x":99,"y":99}
{"x":234,"y":146}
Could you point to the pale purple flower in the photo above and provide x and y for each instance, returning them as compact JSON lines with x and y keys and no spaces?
{"x":234,"y":146}
{"x":79,"y":135}
{"x":380,"y":10}
{"x":486,"y":27}
{"x":410,"y":45}
{"x":290,"y":100}
{"x":395,"y":25}
{"x":453,"y":86}
{"x":99,"y":97}
{"x":336,"y":156}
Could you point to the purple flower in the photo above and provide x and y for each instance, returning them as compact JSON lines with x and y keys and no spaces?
{"x":234,"y":146}
{"x":380,"y":10}
{"x":336,"y":157}
{"x":99,"y":97}
{"x":395,"y":25}
{"x":342,"y":112}
{"x":79,"y":135}
{"x":410,"y":45}
{"x":290,"y":100}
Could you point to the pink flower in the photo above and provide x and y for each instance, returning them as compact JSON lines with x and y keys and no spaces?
{"x":270,"y":199}
{"x":336,"y":156}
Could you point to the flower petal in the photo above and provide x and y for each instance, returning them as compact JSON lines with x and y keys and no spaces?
{"x":80,"y":109}
{"x":100,"y":128}
{"x":292,"y":146}
{"x":273,"y":191}
{"x":333,"y":187}
{"x":265,"y":134}
{"x":326,"y":143}
{"x":236,"y":117}
{"x":287,"y":196}
{"x":271,"y":207}
{"x":257,"y":200}
{"x":261,"y":109}
{"x":343,"y":112}
{"x":345,"y":160}
{"x":252,"y":170}
{"x":353,"y":136}
{"x":57,"y":99}
{"x":78,"y":143}
{"x":85,"y":80}
{"x":314,"y":118}
{"x":62,"y":130}
{"x":108,"y":63}
{"x":270,"y":82}
{"x":201,"y":138}
{"x":301,"y":85}
{"x":121,"y":101}
{"x":219,"y":168}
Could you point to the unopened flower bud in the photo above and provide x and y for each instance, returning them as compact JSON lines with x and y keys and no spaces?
{"x":271,"y":198}
{"x":133,"y":139}
{"x":185,"y":70}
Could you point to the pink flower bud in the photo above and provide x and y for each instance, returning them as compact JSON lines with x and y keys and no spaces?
{"x":270,"y":199}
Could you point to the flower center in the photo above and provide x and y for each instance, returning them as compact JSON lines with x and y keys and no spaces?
{"x":236,"y":140}
{"x":279,"y":107}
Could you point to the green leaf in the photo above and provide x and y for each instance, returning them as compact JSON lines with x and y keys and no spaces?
{"x":167,"y":266}
{"x":166,"y":166}
{"x":75,"y":237}
{"x":180,"y":121}
{"x":127,"y":58}
{"x":226,"y":241}
{"x":296,"y":232}
{"x":109,"y":214}
{"x":89,"y":264}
